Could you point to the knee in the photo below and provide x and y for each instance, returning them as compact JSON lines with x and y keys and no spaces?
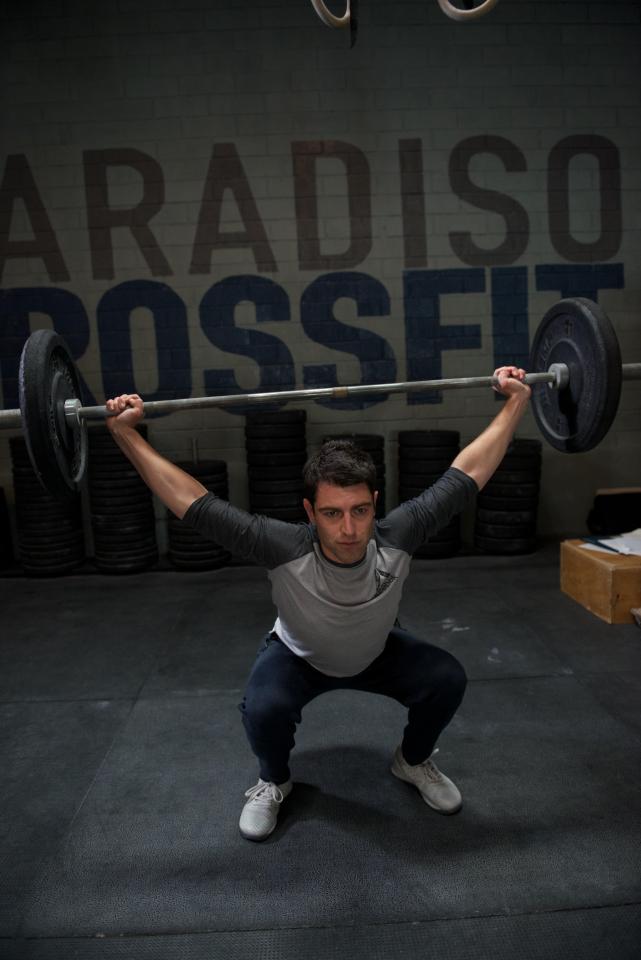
{"x":265,"y":709}
{"x":447,"y":678}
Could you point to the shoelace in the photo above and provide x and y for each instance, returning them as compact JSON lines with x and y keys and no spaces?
{"x":432,"y":772}
{"x":265,"y":793}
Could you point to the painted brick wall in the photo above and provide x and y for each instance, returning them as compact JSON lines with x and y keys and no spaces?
{"x":180,"y":175}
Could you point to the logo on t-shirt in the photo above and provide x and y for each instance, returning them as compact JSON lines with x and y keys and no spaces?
{"x":384,"y":580}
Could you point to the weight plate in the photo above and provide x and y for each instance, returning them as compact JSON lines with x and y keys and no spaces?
{"x":506,"y":547}
{"x":528,"y":504}
{"x":276,"y":459}
{"x":506,"y":517}
{"x":502,"y":531}
{"x":407,"y":466}
{"x":258,"y":431}
{"x":46,"y":379}
{"x":277,"y":416}
{"x":435,"y":551}
{"x":531,"y":465}
{"x":259,"y":503}
{"x":509,"y":491}
{"x":577,"y":332}
{"x":277,"y":445}
{"x":197,"y":565}
{"x":427,"y":453}
{"x":429,"y":438}
{"x":276,"y":486}
{"x":525,"y":447}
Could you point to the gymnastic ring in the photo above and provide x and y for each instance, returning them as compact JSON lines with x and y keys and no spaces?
{"x":455,"y":13}
{"x":330,"y":19}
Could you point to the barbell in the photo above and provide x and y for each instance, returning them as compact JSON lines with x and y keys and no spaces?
{"x":576,"y":376}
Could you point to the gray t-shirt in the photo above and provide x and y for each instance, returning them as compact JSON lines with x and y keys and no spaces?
{"x":335,"y":616}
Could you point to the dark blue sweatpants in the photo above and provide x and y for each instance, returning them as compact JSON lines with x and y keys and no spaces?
{"x":427,"y":680}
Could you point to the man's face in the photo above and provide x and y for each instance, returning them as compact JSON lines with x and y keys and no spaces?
{"x":344,"y":518}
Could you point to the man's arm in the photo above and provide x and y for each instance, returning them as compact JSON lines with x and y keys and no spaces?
{"x":481,"y":457}
{"x":175,"y":488}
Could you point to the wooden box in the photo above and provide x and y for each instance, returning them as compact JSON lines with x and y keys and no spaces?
{"x":607,"y":584}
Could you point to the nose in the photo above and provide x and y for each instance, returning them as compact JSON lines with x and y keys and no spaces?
{"x":349,"y":528}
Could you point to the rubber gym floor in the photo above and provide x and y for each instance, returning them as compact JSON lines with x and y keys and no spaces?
{"x":125,"y":763}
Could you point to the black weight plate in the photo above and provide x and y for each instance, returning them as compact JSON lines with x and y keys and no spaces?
{"x":290,"y":472}
{"x":277,"y":445}
{"x":429,"y":438}
{"x":525,"y":447}
{"x":141,"y":535}
{"x":47,"y":378}
{"x":280,"y":459}
{"x":577,"y":332}
{"x":118,"y":474}
{"x":411,"y":466}
{"x":505,"y":531}
{"x":525,"y":504}
{"x":126,"y":556}
{"x":277,"y":416}
{"x":513,"y":477}
{"x":198,"y":565}
{"x":185,"y":553}
{"x":55,"y":570}
{"x":259,"y":503}
{"x":196,"y":550}
{"x":514,"y":463}
{"x":436,"y":551}
{"x":518,"y":491}
{"x":427,"y":453}
{"x":70,"y":540}
{"x":120,"y":486}
{"x":122,"y":517}
{"x":483,"y":515}
{"x":505,"y":547}
{"x":259,"y":431}
{"x":126,"y":567}
{"x":276,"y":486}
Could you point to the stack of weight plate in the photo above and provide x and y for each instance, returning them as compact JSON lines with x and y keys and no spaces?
{"x":423,"y":457}
{"x":121,"y":505}
{"x":188,"y":549}
{"x":506,"y":507}
{"x":374,"y":444}
{"x":276,"y":452}
{"x":50,"y":535}
{"x":6,"y":546}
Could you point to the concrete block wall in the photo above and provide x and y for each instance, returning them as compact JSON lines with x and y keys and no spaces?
{"x":208,"y":197}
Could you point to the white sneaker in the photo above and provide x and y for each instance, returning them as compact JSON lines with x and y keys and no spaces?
{"x":260,"y":813}
{"x":437,"y":790}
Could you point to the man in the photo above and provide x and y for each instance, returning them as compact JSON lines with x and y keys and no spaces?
{"x":337,"y":584}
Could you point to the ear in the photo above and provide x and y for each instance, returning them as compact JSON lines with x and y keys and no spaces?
{"x":375,"y":497}
{"x":309,"y":510}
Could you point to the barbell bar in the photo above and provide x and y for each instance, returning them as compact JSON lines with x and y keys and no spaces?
{"x":575,"y":374}
{"x":74,"y":413}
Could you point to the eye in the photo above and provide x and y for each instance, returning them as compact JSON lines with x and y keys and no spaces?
{"x":330,"y":514}
{"x":362,"y":511}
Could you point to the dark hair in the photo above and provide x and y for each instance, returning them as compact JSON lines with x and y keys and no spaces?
{"x":340,"y":462}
